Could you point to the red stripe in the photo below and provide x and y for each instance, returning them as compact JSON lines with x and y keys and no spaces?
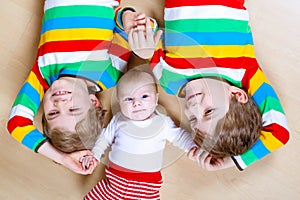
{"x":18,"y":121}
{"x":36,"y":71}
{"x":279,"y":132}
{"x":197,"y":63}
{"x":230,"y":3}
{"x":73,"y":45}
{"x":120,"y":52}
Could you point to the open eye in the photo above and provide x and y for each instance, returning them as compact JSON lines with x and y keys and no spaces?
{"x":128,"y":99}
{"x":145,"y":96}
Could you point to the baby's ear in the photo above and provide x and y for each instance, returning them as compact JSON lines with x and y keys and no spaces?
{"x":240,"y":95}
{"x":95,"y":100}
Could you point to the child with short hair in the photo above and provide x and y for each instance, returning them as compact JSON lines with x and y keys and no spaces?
{"x":137,"y":135}
{"x":76,"y":58}
{"x":208,"y":46}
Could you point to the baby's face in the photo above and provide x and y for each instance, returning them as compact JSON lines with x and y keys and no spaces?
{"x":66,"y":102}
{"x":138,"y":103}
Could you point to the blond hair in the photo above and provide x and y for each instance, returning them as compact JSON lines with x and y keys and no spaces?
{"x":134,"y":77}
{"x":236,"y":132}
{"x":85,"y":135}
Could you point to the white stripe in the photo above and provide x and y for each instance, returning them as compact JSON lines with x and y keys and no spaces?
{"x":274,"y":116}
{"x":205,"y":12}
{"x":22,"y":111}
{"x":54,"y":3}
{"x":240,"y":162}
{"x":118,"y":63}
{"x":72,"y":57}
{"x":235,"y":74}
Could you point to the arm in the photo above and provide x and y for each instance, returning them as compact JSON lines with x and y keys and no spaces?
{"x":275,"y":133}
{"x":28,"y":100}
{"x":179,"y":137}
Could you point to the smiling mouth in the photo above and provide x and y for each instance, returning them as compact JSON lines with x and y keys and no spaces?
{"x":61,"y":93}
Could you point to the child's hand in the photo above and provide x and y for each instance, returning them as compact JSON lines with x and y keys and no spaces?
{"x":132,"y":20}
{"x":88,"y":163}
{"x":72,"y":161}
{"x":143,"y":45}
{"x":194,"y":153}
{"x":211,"y":163}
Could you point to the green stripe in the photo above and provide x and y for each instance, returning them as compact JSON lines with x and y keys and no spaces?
{"x":248,"y":157}
{"x":168,"y":76}
{"x":79,"y":11}
{"x":270,"y":103}
{"x":84,"y":66}
{"x":25,"y":100}
{"x":208,"y":25}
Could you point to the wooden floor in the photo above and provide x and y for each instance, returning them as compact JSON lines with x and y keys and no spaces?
{"x":28,"y":176}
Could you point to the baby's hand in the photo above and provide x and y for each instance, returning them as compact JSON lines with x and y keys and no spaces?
{"x":89,"y":163}
{"x":194,"y":153}
{"x":142,"y":43}
{"x":133,"y":19}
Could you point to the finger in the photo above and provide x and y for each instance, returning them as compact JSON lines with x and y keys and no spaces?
{"x":157,"y":36}
{"x":142,"y":39}
{"x":135,"y":39}
{"x":130,"y":39}
{"x":141,"y":16}
{"x":149,"y":31}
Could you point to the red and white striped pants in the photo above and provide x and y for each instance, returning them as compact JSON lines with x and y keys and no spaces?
{"x":126,"y":185}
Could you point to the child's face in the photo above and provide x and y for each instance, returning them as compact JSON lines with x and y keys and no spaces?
{"x":66,"y":102}
{"x":207,"y":101}
{"x":139,"y":103}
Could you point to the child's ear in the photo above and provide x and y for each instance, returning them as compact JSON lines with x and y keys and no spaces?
{"x":95,"y":101}
{"x":157,"y":98}
{"x":240,"y":95}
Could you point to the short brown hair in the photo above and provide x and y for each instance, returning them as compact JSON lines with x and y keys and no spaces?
{"x":236,"y":132}
{"x":85,"y":135}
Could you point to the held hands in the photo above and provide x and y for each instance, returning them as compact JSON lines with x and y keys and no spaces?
{"x":73,"y":161}
{"x":132,"y":20}
{"x":143,"y":41}
{"x":208,"y":161}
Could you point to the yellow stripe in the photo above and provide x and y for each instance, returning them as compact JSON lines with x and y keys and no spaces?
{"x":211,"y":51}
{"x":34,"y":82}
{"x":20,"y":132}
{"x":119,"y":40}
{"x":76,"y":34}
{"x":256,"y":81}
{"x":101,"y":85}
{"x":270,"y":142}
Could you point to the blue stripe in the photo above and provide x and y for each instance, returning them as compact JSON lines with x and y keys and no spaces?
{"x":259,"y":149}
{"x":264,"y":91}
{"x":31,"y":138}
{"x":78,"y":22}
{"x":107,"y":80}
{"x":30,"y":92}
{"x":207,"y":38}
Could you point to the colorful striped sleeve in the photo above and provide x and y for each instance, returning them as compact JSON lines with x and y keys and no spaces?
{"x":275,"y":133}
{"x":213,"y":38}
{"x":20,"y":123}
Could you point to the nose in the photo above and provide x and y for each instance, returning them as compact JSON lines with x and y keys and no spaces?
{"x":136,"y":103}
{"x":59,"y":101}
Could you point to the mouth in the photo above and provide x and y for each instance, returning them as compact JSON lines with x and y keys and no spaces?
{"x":137,"y":111}
{"x":60,"y":93}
